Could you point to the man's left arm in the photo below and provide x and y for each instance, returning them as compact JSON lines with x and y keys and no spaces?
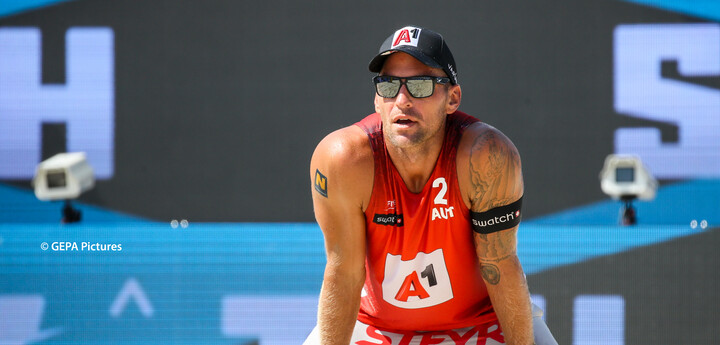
{"x":496,"y":181}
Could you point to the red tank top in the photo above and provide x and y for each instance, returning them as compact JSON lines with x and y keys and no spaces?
{"x":422,"y":272}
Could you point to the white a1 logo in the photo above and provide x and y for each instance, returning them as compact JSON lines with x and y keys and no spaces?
{"x":418,"y":283}
{"x":407,"y":36}
{"x":85,"y":104}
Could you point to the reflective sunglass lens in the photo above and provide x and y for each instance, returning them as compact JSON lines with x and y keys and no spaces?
{"x":420,"y":88}
{"x":388,"y":89}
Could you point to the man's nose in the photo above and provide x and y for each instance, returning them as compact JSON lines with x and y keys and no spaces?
{"x":403,"y":98}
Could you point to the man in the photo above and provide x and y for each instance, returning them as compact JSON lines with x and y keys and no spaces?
{"x":419,"y":204}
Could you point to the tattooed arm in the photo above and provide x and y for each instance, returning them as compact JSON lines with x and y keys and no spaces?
{"x":494,"y":178}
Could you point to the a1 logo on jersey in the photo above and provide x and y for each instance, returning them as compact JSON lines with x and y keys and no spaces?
{"x":418,"y":283}
{"x":441,"y":212}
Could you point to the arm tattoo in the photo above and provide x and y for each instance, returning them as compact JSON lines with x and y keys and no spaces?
{"x":498,"y":246}
{"x":491,"y":274}
{"x":498,"y":259}
{"x":495,"y":247}
{"x":478,"y":181}
{"x":494,"y":172}
{"x":320,"y":183}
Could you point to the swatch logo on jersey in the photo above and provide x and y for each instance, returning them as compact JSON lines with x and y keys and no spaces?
{"x":388,"y":219}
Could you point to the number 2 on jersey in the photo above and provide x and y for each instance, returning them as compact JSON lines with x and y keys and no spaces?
{"x":440,"y":197}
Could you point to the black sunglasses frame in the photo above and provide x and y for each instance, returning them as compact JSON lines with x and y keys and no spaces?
{"x":403,"y":81}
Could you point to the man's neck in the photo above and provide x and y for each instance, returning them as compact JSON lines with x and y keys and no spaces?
{"x":416,"y":164}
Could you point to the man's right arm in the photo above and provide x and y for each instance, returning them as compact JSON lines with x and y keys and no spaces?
{"x":342,"y":183}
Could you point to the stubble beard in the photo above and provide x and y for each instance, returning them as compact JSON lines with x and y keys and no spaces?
{"x":418,"y":137}
{"x":409,"y":140}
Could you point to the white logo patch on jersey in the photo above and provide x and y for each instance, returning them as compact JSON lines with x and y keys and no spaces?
{"x":418,"y":283}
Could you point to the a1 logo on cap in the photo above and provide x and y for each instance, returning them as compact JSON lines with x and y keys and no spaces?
{"x":407,"y":36}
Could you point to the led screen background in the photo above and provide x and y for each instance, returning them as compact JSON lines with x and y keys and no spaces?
{"x":209,"y":112}
{"x":215,"y":108}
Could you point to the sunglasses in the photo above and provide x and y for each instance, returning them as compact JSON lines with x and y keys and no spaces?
{"x":419,"y":87}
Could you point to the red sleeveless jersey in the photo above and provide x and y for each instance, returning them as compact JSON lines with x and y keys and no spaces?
{"x":422,"y":272}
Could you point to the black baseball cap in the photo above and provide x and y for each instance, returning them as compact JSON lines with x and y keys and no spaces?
{"x":423,"y":44}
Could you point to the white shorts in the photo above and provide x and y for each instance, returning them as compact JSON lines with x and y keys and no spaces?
{"x":368,"y":335}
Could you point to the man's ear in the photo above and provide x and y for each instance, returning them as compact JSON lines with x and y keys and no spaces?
{"x":454,"y":97}
{"x":377,"y":103}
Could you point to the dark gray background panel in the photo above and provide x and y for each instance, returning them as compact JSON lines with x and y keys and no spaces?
{"x":219,"y":104}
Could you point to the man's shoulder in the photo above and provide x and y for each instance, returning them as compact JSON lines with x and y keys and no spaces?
{"x":484,"y":152}
{"x":344,"y":158}
{"x":482,"y":136}
{"x":345,"y":148}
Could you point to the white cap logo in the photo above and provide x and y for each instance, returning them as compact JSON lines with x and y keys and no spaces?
{"x":407,"y":36}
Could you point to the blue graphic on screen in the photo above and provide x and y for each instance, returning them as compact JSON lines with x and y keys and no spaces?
{"x":9,"y":7}
{"x":642,"y":92}
{"x":130,"y":283}
{"x":157,"y":284}
{"x":599,"y":319}
{"x":709,"y":9}
{"x":85,"y":104}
